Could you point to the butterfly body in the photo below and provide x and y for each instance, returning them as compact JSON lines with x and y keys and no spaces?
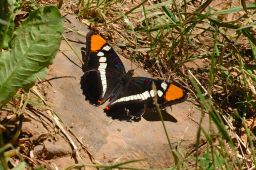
{"x":105,"y":79}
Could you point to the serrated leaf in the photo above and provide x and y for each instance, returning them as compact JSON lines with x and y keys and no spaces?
{"x":33,"y":48}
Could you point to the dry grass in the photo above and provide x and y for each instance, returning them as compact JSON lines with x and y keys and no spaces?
{"x":209,"y":46}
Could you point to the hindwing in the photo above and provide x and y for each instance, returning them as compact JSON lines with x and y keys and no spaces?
{"x":131,"y":99}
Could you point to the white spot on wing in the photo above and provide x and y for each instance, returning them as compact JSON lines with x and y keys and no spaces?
{"x":100,"y":54}
{"x":106,"y":48}
{"x":152,"y":93}
{"x":145,"y":95}
{"x":103,"y":66}
{"x":160,"y":93}
{"x":102,"y":69}
{"x":104,"y":86}
{"x":104,"y":82}
{"x":132,"y":97}
{"x":142,"y":97}
{"x":164,"y":85}
{"x":102,"y":59}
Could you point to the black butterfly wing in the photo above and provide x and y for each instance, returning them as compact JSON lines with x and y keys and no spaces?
{"x":131,"y":98}
{"x":103,"y":69}
{"x":120,"y":107}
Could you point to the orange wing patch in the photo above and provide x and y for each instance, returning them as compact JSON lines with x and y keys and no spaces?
{"x":173,"y":93}
{"x":97,"y":42}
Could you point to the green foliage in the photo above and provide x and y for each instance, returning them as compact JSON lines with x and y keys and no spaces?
{"x":32,"y":49}
{"x":171,"y":34}
{"x":207,"y":163}
{"x":21,"y":166}
{"x":7,"y":16}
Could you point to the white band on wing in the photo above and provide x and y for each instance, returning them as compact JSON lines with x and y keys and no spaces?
{"x":142,"y":96}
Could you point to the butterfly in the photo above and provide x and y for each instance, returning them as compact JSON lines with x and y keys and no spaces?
{"x":129,"y":97}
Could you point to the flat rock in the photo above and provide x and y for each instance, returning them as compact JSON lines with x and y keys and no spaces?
{"x":113,"y":140}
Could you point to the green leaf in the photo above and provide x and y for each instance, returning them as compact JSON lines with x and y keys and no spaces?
{"x":249,"y":34}
{"x":21,"y":166}
{"x":7,"y":16}
{"x":206,"y":160}
{"x":235,"y":9}
{"x":33,"y":47}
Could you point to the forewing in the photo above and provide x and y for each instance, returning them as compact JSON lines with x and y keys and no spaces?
{"x":99,"y":51}
{"x":103,"y":69}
